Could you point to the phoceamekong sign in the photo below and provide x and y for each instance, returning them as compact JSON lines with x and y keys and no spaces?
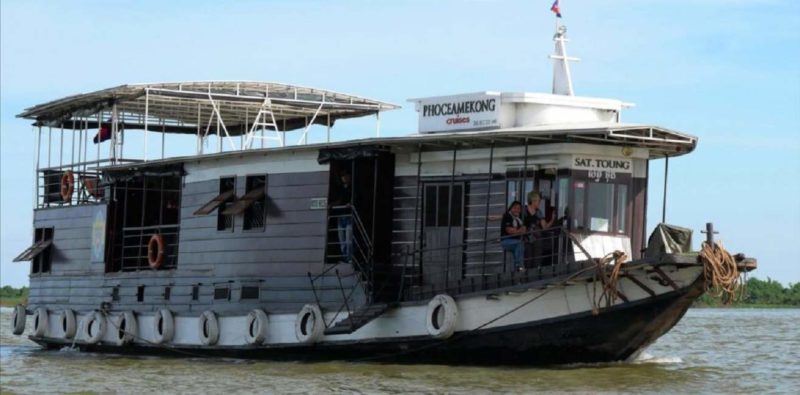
{"x":464,"y":112}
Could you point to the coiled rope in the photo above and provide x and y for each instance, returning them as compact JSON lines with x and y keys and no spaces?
{"x":609,"y":280}
{"x":722,"y":276}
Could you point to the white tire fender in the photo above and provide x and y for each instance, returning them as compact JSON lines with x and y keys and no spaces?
{"x":163,"y":326}
{"x":126,"y":328}
{"x":256,"y":328}
{"x":442,"y":316}
{"x":68,"y":324}
{"x":40,"y":322}
{"x":309,"y":324}
{"x":208,"y":326}
{"x":18,"y":318}
{"x":95,"y":327}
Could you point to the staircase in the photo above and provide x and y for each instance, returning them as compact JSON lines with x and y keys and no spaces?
{"x":358,"y":319}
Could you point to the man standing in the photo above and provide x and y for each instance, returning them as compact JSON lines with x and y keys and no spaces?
{"x":344,"y":197}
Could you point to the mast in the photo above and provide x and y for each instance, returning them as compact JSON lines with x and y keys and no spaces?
{"x":562,"y":79}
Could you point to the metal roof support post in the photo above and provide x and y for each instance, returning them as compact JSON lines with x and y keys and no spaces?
{"x":163,"y":137}
{"x":146,"y":118}
{"x":220,"y":122}
{"x":114,"y":130}
{"x":304,"y":138}
{"x":486,"y":219}
{"x":199,"y":148}
{"x":219,"y":137}
{"x":99,"y":135}
{"x":328,"y":140}
{"x":49,"y":143}
{"x":666,"y":175}
{"x":449,"y":219}
{"x":38,"y":137}
{"x":378,"y":123}
{"x":61,"y":148}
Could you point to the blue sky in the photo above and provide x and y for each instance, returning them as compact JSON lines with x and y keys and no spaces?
{"x":723,"y":70}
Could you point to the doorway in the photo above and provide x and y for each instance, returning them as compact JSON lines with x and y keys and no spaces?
{"x":443,"y":230}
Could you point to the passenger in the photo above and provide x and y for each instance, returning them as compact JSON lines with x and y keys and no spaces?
{"x":535,"y":225}
{"x":344,"y":197}
{"x":512,"y":231}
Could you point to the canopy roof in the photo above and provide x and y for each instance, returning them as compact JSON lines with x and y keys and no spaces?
{"x":183,"y":107}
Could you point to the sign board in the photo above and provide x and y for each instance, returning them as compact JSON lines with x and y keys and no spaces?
{"x":99,"y":233}
{"x":319,"y":203}
{"x":600,"y":168}
{"x":478,"y":111}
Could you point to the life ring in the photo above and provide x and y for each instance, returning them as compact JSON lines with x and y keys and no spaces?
{"x":309,"y":324}
{"x":256,"y":329}
{"x":40,"y":322}
{"x":163,"y":326}
{"x":18,"y":318}
{"x":209,"y":328}
{"x":68,"y":324}
{"x":126,"y":328}
{"x":155,"y":251}
{"x":67,"y":185}
{"x":94,"y":327}
{"x":442,"y":315}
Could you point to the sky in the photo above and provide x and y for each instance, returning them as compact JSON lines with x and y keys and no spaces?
{"x":723,"y":70}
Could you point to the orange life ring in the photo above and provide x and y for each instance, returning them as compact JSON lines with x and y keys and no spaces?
{"x":155,"y":251}
{"x":67,"y":185}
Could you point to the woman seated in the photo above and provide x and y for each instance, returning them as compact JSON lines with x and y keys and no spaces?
{"x":512,"y":230}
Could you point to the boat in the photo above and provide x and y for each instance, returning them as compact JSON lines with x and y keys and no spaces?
{"x":220,"y":237}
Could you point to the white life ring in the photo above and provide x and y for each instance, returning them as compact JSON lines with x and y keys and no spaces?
{"x":256,"y":329}
{"x":442,"y":316}
{"x":126,"y":328}
{"x":309,"y":325}
{"x":68,"y":324}
{"x":208,"y":325}
{"x":40,"y":322}
{"x":18,"y":318}
{"x":94,"y":327}
{"x":163,"y":326}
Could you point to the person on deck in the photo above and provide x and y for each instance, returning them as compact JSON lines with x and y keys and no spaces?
{"x":535,"y":223}
{"x":512,"y":230}
{"x":344,"y":197}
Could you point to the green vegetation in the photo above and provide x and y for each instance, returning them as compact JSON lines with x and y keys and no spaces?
{"x":759,"y":293}
{"x":10,"y":296}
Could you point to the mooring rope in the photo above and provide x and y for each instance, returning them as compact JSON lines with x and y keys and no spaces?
{"x":608,"y":280}
{"x":722,"y":276}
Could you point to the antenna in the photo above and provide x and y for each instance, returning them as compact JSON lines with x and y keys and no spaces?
{"x":562,"y":79}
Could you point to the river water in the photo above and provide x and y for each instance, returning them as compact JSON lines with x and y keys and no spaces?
{"x":709,"y":351}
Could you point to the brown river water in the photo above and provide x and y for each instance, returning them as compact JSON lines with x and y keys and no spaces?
{"x":709,"y":351}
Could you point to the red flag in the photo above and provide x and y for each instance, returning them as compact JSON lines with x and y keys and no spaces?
{"x":555,"y":8}
{"x":103,"y":134}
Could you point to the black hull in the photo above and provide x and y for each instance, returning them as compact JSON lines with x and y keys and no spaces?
{"x":615,"y":334}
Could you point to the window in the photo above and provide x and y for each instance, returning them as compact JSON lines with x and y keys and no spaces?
{"x":580,"y":200}
{"x":40,"y":252}
{"x":140,"y":293}
{"x":255,"y":214}
{"x":115,"y":294}
{"x":222,"y":293}
{"x":167,"y":293}
{"x":621,"y":209}
{"x":227,"y":194}
{"x":249,"y":292}
{"x":441,"y":205}
{"x":563,"y":196}
{"x":600,"y":206}
{"x":195,"y":292}
{"x":515,"y":190}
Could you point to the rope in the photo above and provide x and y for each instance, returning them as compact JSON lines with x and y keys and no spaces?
{"x":609,"y":280}
{"x":722,"y":277}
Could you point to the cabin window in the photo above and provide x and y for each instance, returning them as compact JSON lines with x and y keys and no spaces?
{"x":250,"y":292}
{"x":255,"y":214}
{"x":518,"y":186}
{"x":227,"y":194}
{"x":441,"y":205}
{"x":600,"y":207}
{"x":167,"y":293}
{"x":39,"y":253}
{"x":222,"y":293}
{"x":195,"y":292}
{"x":563,"y":196}
{"x":140,"y":293}
{"x":115,"y":294}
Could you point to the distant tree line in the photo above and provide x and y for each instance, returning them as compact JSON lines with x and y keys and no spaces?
{"x":760,"y":293}
{"x":11,"y":292}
